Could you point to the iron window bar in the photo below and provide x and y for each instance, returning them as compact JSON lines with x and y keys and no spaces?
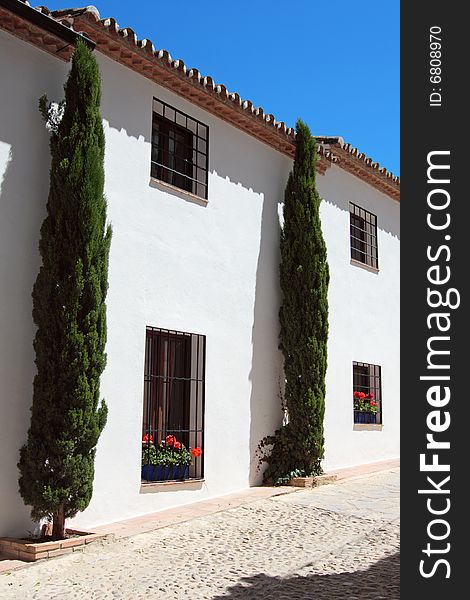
{"x":154,"y":162}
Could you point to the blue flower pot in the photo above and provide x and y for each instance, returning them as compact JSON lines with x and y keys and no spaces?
{"x":180,"y":472}
{"x":364,"y":417}
{"x":158,"y":473}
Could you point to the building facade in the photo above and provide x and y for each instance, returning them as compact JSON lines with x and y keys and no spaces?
{"x":195,"y":180}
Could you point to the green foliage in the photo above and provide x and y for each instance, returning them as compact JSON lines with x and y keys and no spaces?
{"x":57,"y":462}
{"x":165,"y":455}
{"x":297,"y":447}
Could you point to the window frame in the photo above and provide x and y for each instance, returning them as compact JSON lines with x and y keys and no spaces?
{"x":187,"y":378}
{"x":363,"y":236}
{"x":370,"y":379}
{"x":195,"y":154}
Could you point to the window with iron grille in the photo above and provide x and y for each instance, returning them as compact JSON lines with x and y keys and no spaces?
{"x":180,"y":149}
{"x":363,"y":228}
{"x":174,"y":389}
{"x":367,"y":393}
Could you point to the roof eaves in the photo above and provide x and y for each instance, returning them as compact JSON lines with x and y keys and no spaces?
{"x":356,"y":162}
{"x":30,"y":22}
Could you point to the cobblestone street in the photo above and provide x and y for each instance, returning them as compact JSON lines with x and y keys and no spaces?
{"x":338,"y":541}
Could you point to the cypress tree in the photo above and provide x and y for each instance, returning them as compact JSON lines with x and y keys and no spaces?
{"x":298,"y":446}
{"x":57,"y":462}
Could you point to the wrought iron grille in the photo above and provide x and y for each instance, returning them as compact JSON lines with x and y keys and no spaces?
{"x":363,"y":228}
{"x":367,"y":379}
{"x":174,"y":390}
{"x":180,"y":149}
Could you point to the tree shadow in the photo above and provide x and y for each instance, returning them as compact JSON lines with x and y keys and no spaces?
{"x":266,"y":375}
{"x":380,"y":581}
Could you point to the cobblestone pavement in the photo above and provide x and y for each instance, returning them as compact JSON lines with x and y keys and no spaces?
{"x":338,"y":541}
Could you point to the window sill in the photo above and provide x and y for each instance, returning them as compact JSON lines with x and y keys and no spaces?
{"x":183,"y":194}
{"x":358,"y":263}
{"x":367,"y":427}
{"x":171,"y":486}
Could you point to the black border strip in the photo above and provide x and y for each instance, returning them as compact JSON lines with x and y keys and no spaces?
{"x":434,"y":130}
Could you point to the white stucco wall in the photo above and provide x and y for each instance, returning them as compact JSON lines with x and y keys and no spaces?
{"x":174,"y":263}
{"x":364,"y":320}
{"x":178,"y":264}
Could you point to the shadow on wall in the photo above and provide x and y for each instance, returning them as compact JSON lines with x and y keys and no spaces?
{"x":24,"y":174}
{"x":267,"y":362}
{"x":266,"y":374}
{"x":337,"y":191}
{"x":381,"y":580}
{"x":19,"y":263}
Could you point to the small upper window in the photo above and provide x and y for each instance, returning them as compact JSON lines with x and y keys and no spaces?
{"x":363,"y":228}
{"x":179,"y":149}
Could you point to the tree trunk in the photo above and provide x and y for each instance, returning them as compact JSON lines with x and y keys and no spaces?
{"x":58,"y":524}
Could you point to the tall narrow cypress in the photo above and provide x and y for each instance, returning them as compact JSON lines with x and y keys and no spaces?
{"x":298,"y":446}
{"x":57,"y":462}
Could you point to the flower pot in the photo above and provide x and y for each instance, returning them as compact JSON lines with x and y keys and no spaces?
{"x":158,"y":473}
{"x":149,"y":472}
{"x":179,"y":472}
{"x":364,"y":417}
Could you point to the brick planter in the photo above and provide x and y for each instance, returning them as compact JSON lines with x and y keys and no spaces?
{"x":301,"y":482}
{"x":308,"y":482}
{"x":32,"y":551}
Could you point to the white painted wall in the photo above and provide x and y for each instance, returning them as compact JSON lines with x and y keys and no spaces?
{"x":179,"y":264}
{"x":364,"y":320}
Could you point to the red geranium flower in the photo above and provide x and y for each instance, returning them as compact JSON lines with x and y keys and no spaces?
{"x":170,"y":440}
{"x":371,"y":395}
{"x":372,"y":403}
{"x":356,"y":394}
{"x":177,"y":445}
{"x":362,"y":395}
{"x":146,"y":438}
{"x":196,"y":452}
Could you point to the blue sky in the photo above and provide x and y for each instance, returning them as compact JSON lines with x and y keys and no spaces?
{"x":334,"y":63}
